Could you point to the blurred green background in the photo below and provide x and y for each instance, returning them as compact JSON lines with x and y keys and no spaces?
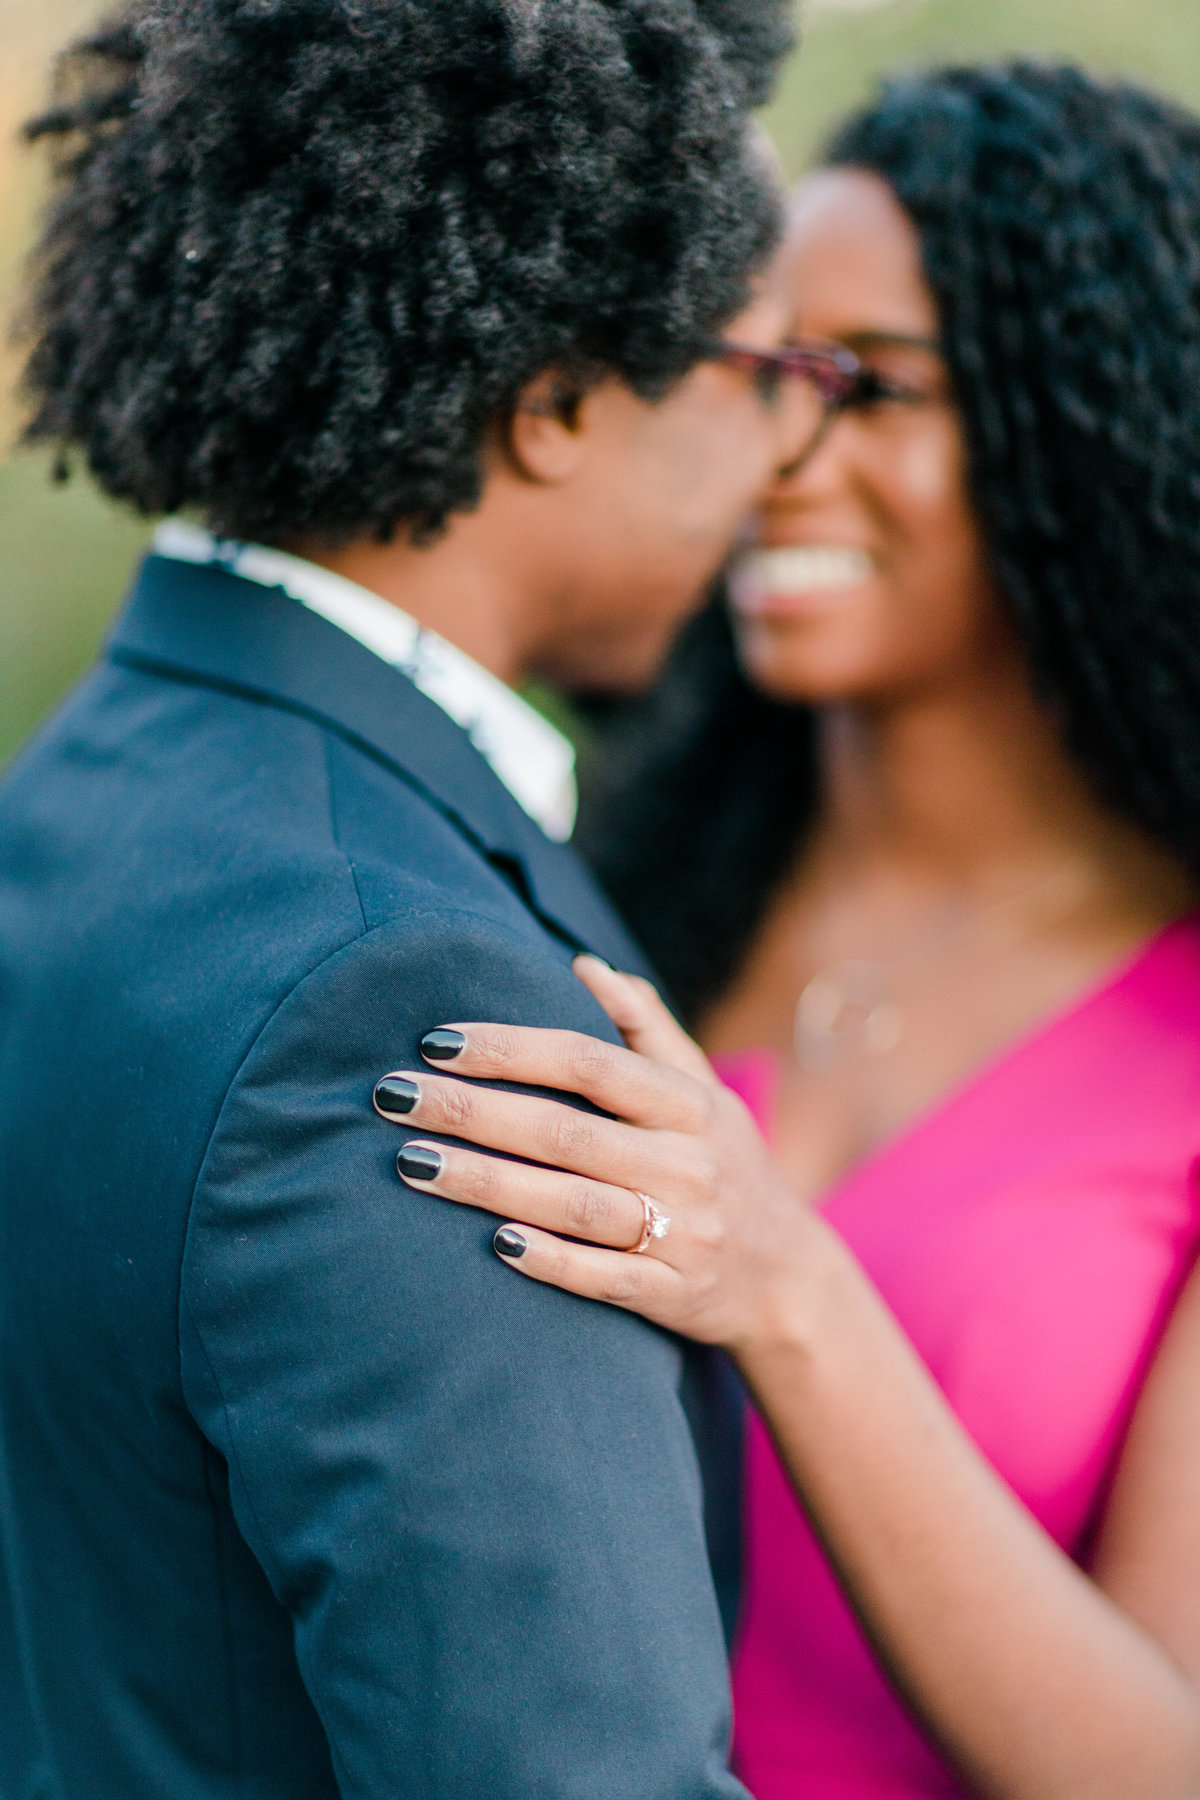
{"x":65,"y":553}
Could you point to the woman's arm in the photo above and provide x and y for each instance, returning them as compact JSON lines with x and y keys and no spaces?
{"x":1040,"y":1683}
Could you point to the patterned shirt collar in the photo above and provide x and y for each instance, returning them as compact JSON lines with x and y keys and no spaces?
{"x":535,"y":762}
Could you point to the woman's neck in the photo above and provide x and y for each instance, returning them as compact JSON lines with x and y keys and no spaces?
{"x":964,"y":788}
{"x":950,"y":821}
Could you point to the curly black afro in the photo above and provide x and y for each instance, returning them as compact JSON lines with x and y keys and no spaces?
{"x":303,"y":252}
{"x":1059,"y":219}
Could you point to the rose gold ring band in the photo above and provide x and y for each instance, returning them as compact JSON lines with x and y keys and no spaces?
{"x":655,"y":1224}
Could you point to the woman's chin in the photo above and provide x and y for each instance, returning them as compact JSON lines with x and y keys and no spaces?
{"x":807,"y":668}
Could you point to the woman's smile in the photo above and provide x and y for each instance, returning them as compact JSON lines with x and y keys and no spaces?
{"x":782,"y":580}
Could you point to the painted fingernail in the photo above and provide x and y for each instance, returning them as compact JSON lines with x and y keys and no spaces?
{"x":395,"y":1095}
{"x":508,"y":1242}
{"x":417,"y":1162}
{"x":443,"y":1045}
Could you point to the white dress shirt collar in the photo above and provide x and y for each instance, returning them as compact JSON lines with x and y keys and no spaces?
{"x":535,"y":762}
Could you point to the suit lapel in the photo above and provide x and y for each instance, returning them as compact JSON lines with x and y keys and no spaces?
{"x":205,"y":625}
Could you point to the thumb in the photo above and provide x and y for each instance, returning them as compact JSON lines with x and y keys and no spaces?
{"x":639,"y":1014}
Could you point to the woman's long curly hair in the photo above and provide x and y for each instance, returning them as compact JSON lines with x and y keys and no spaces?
{"x":1059,"y":220}
{"x":302,"y":253}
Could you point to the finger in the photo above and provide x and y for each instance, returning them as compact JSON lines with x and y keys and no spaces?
{"x":638,"y":1283}
{"x":547,"y":1131}
{"x":619,"y":1081}
{"x":543,"y":1197}
{"x":637,"y":1010}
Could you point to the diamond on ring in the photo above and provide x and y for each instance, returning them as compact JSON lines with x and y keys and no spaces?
{"x":655,"y":1224}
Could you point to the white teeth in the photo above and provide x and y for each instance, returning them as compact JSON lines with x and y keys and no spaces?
{"x":802,"y":568}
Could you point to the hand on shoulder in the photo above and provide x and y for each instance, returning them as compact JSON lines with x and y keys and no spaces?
{"x":665,"y":1201}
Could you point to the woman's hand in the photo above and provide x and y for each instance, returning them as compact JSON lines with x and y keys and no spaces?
{"x":728,"y":1268}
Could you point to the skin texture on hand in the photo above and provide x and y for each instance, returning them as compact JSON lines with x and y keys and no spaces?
{"x":1038,"y":1681}
{"x":677,"y":1136}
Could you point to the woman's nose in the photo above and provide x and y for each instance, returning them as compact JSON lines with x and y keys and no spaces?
{"x":802,"y":418}
{"x":817,"y":465}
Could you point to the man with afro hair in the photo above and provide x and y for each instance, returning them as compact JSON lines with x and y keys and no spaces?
{"x":449,"y":324}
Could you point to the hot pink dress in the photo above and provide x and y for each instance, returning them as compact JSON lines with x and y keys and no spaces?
{"x":1030,"y":1235}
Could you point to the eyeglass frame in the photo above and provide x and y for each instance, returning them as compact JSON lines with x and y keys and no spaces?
{"x":840,"y":376}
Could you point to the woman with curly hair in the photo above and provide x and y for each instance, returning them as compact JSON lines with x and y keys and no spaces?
{"x":912,"y":830}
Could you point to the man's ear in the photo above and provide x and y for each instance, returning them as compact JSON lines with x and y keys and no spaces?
{"x":545,"y":436}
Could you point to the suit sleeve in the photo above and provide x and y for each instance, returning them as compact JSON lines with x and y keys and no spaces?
{"x":476,"y":1497}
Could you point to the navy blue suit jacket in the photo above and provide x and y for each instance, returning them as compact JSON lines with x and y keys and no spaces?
{"x":302,"y":1492}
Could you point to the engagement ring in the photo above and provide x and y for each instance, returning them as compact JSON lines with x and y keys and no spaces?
{"x":655,"y":1225}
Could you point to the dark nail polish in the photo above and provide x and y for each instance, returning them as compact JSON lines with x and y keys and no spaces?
{"x":443,"y":1045}
{"x":508,"y":1242}
{"x":417,"y":1162}
{"x":396,"y":1095}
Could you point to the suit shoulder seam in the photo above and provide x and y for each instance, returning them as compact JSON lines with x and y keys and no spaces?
{"x":327,"y":750}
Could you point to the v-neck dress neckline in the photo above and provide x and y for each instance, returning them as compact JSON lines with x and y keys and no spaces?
{"x":756,"y":1074}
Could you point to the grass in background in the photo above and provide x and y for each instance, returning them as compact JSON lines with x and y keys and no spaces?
{"x":849,"y":44}
{"x":65,"y":554}
{"x":66,"y":558}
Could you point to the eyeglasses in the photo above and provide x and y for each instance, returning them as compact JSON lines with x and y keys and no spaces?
{"x":813,"y":381}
